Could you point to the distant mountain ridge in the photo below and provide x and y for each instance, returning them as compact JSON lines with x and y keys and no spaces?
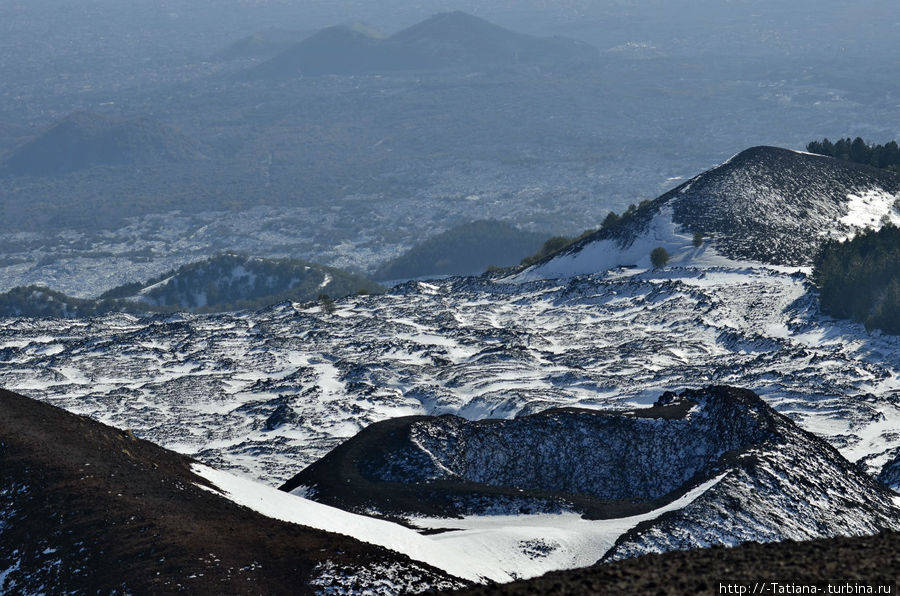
{"x":447,"y":40}
{"x":263,"y":44}
{"x":84,"y":139}
{"x":466,"y":249}
{"x":220,"y":283}
{"x":766,"y":205}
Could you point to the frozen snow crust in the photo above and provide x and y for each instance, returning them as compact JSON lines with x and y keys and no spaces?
{"x":776,"y":482}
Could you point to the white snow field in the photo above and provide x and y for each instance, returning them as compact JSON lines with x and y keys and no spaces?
{"x":495,"y":548}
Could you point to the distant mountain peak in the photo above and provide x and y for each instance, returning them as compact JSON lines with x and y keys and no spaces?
{"x":446,"y":40}
{"x":86,"y":139}
{"x":455,"y":25}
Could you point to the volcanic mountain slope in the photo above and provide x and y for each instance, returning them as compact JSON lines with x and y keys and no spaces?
{"x":87,"y":508}
{"x":773,"y":481}
{"x":765,"y":205}
{"x":334,"y":50}
{"x":83,"y":140}
{"x":448,"y":40}
{"x":263,"y":44}
{"x":848,"y":564}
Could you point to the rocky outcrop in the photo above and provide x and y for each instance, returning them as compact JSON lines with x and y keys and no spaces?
{"x":774,"y":481}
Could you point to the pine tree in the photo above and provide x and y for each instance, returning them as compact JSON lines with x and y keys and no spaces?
{"x":659,"y":256}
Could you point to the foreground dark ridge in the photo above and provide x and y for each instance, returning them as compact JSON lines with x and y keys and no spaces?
{"x":87,"y":508}
{"x":872,"y":560}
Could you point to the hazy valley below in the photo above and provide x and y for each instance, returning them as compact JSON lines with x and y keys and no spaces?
{"x":350,"y":170}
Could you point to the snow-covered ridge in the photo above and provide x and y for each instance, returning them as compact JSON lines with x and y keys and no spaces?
{"x":764,"y":205}
{"x":291,"y":508}
{"x":602,"y":254}
{"x":477,"y":548}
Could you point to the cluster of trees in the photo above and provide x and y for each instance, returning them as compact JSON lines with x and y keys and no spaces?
{"x":860,"y":279}
{"x":39,"y":301}
{"x":858,"y":151}
{"x":659,"y":256}
{"x":558,"y":243}
{"x":226,"y":282}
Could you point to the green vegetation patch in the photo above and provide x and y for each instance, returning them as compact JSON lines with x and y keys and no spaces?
{"x":857,"y":150}
{"x":222,"y":283}
{"x":860,"y":279}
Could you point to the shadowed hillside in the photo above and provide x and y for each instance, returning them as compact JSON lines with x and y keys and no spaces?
{"x":83,"y":140}
{"x":447,"y":40}
{"x":225,"y":282}
{"x":467,"y":249}
{"x":87,"y":508}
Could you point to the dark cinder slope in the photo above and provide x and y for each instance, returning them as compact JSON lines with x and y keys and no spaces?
{"x":774,"y":205}
{"x":870,"y":561}
{"x":83,"y":140}
{"x":771,"y":480}
{"x":86,"y":508}
{"x":766,"y":204}
{"x":447,"y":40}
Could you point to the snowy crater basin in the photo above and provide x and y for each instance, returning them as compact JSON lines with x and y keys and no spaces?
{"x":602,"y":464}
{"x":479,"y":549}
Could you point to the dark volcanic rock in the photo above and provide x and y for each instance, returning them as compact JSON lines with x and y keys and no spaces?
{"x":890,"y":472}
{"x":769,"y":479}
{"x":867,"y":561}
{"x":86,"y":508}
{"x":766,"y":204}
